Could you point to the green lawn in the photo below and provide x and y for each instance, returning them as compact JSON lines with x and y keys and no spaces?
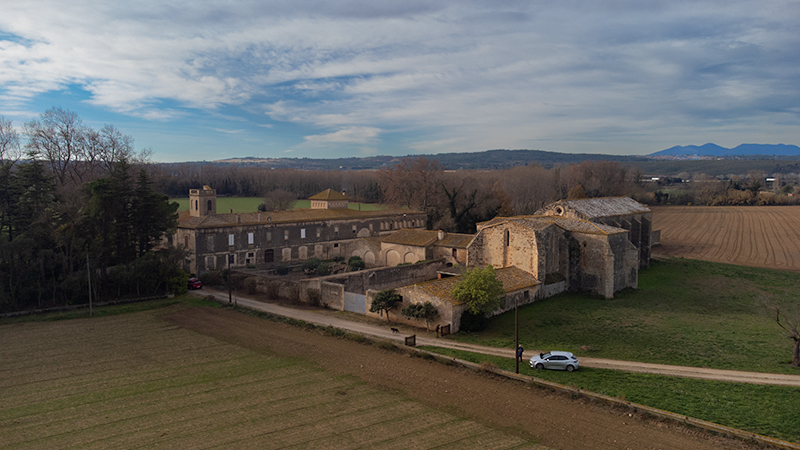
{"x":767,"y":410}
{"x":685,"y":312}
{"x":250,"y":204}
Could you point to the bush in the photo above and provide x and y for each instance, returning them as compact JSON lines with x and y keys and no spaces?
{"x":314,"y":296}
{"x":311,"y":264}
{"x":294,"y":293}
{"x":211,"y":279}
{"x":282,"y":269}
{"x":356,"y":263}
{"x":473,"y":322}
{"x":251,"y":285}
{"x":273,"y":290}
{"x":338,"y":258}
{"x":323,"y":269}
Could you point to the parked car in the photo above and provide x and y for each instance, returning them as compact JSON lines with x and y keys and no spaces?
{"x":194,"y":283}
{"x":554,"y":360}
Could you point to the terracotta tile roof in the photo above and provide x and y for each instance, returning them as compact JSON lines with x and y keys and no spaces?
{"x":455,"y":240}
{"x":513,"y":279}
{"x":416,"y":238}
{"x":292,"y":216}
{"x":593,"y":208}
{"x":424,"y":238}
{"x":538,"y":223}
{"x":329,"y":194}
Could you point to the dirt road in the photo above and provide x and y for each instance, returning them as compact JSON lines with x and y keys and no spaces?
{"x":553,"y":420}
{"x":325,"y":318}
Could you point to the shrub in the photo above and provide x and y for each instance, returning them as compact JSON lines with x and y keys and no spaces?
{"x":473,"y":322}
{"x":356,"y":263}
{"x":273,"y":290}
{"x":282,"y":269}
{"x":311,"y":264}
{"x":323,"y":269}
{"x":251,"y":285}
{"x":314,"y":296}
{"x":338,"y":258}
{"x":294,"y":293}
{"x":213,"y":278}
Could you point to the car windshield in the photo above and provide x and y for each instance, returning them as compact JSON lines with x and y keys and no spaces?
{"x":544,"y":356}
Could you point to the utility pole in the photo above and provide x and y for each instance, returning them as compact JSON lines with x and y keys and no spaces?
{"x":89,"y":276}
{"x":230,"y":296}
{"x":516,"y":335}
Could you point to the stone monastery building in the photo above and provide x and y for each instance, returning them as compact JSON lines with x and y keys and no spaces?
{"x":329,"y":228}
{"x":594,"y":245}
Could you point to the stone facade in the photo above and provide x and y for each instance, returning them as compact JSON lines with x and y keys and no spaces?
{"x":216,"y":241}
{"x":585,"y":255}
{"x":620,"y":212}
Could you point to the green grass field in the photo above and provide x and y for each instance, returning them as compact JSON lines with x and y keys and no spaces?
{"x":685,"y":312}
{"x":135,"y":381}
{"x":250,"y":204}
{"x":767,"y":410}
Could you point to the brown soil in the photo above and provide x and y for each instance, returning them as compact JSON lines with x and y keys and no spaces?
{"x":529,"y":412}
{"x":759,"y":236}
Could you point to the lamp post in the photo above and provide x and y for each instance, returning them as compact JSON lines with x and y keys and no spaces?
{"x":230,"y":296}
{"x":516,"y":335}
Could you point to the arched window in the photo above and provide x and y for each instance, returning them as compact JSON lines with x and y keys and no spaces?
{"x":209,"y":206}
{"x":507,"y":238}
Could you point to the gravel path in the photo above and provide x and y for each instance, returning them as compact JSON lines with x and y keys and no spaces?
{"x":368,"y":329}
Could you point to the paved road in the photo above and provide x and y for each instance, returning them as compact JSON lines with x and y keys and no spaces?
{"x":384,"y":332}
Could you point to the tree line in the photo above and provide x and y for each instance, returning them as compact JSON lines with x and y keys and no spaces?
{"x":78,"y":204}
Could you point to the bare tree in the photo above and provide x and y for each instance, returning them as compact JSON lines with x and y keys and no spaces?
{"x":790,"y":323}
{"x":10,"y":150}
{"x":59,"y":136}
{"x":279,"y":200}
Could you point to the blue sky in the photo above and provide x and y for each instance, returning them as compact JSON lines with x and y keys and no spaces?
{"x":213,"y":80}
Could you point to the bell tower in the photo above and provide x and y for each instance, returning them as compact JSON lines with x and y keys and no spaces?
{"x":202,"y":202}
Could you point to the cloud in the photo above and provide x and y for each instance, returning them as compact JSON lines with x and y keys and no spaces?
{"x":444,"y":75}
{"x":352,"y":135}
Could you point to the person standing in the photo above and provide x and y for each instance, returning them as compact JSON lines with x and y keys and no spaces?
{"x":519,"y":353}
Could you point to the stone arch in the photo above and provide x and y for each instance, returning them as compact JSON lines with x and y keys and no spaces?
{"x":393,"y":258}
{"x":364,"y":232}
{"x":369,"y":258}
{"x":410,"y":257}
{"x":303,"y":252}
{"x":357,"y":253}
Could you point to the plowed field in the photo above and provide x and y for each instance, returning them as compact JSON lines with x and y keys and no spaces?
{"x":759,"y":236}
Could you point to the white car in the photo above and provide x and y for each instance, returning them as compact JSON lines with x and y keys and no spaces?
{"x":554,"y":360}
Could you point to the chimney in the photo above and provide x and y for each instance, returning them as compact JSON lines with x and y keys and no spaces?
{"x":259,"y":217}
{"x":441,"y":235}
{"x":238,"y":218}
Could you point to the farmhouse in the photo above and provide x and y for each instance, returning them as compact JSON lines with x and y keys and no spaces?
{"x":328,"y":229}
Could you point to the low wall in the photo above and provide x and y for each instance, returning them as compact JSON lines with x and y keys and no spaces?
{"x":549,"y":290}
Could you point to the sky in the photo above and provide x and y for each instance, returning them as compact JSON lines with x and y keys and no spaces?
{"x":212,"y":80}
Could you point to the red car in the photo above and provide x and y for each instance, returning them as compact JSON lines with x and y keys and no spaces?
{"x":194,"y":283}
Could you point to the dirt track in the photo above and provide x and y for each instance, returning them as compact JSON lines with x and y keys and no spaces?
{"x":759,"y":236}
{"x":529,"y":412}
{"x":367,"y":327}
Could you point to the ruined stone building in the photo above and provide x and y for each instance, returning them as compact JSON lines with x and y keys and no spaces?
{"x":328,"y":229}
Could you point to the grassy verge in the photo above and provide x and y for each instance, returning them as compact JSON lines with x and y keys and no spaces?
{"x":767,"y":410}
{"x":685,"y":312}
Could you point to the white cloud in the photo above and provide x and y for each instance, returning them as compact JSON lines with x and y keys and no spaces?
{"x":448,"y":75}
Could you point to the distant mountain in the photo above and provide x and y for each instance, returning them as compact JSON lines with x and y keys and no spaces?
{"x":489,"y":159}
{"x":739,"y":150}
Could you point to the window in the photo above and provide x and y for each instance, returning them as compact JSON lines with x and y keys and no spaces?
{"x":285,"y":235}
{"x":251,"y":255}
{"x":336,"y":231}
{"x":210,"y":243}
{"x":250,"y":239}
{"x":302,"y":233}
{"x":209,"y":206}
{"x":269,"y":236}
{"x":230,"y":239}
{"x":526,"y":295}
{"x":319,"y":232}
{"x":186,"y":241}
{"x":354,"y":229}
{"x":335,"y":245}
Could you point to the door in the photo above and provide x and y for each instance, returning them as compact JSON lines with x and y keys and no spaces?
{"x":355,"y":303}
{"x":269,"y":255}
